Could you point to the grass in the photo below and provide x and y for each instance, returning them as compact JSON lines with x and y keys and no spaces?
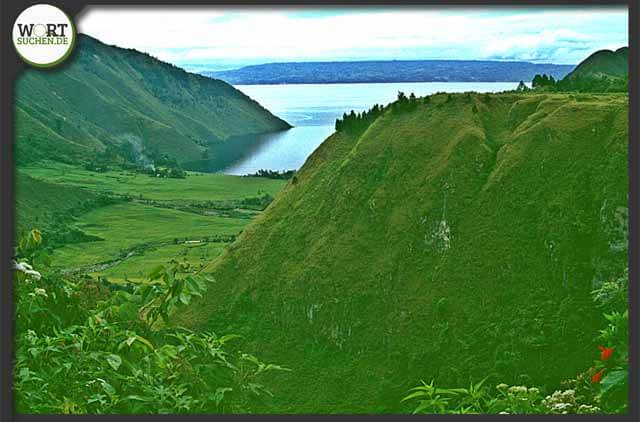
{"x":128,"y":225}
{"x":142,"y":232}
{"x":136,"y":268}
{"x":38,"y":201}
{"x":196,"y":187}
{"x":451,"y":242}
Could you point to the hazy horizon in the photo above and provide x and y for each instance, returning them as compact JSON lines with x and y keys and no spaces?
{"x":219,"y":38}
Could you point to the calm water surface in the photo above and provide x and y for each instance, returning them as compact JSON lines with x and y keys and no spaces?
{"x":313,"y":109}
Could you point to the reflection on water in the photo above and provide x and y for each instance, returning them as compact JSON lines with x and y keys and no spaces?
{"x":313,"y":109}
{"x":281,"y":151}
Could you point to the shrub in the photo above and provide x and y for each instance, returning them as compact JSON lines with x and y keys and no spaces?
{"x":603,"y":388}
{"x":83,"y":349}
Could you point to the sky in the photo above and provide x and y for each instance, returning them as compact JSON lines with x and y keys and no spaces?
{"x":216,"y":38}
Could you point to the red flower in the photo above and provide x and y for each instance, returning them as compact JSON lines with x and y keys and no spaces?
{"x":597,"y":376}
{"x":605,"y":353}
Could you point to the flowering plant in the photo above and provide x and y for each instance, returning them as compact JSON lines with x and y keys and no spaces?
{"x":610,"y":371}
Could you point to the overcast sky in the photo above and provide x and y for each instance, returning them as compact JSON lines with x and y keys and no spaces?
{"x":223,"y":37}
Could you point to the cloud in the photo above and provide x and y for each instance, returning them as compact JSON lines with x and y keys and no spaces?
{"x":184,"y":35}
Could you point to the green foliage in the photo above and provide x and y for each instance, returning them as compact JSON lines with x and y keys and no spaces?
{"x":354,"y":123}
{"x":592,"y":84}
{"x":81,"y":349}
{"x":504,"y":399}
{"x":271,"y":174}
{"x":601,"y":389}
{"x":610,"y":371}
{"x":439,"y":400}
{"x":580,"y":83}
{"x":404,"y":103}
{"x":165,"y":291}
{"x":541,"y":81}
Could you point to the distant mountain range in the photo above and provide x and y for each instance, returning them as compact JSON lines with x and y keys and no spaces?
{"x":122,"y":101}
{"x":389,"y":71}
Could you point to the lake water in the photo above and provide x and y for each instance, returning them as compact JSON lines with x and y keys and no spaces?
{"x":313,"y":109}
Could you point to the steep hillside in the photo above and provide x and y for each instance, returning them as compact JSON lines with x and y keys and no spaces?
{"x":390,"y":71}
{"x":603,"y":71}
{"x":49,"y":207}
{"x":603,"y":63}
{"x":106,"y":96}
{"x":450,"y":241}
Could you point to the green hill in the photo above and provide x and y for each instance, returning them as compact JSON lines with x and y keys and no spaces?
{"x":140,"y":107}
{"x":603,"y":63}
{"x":603,"y":71}
{"x":49,"y":207}
{"x":453,"y":240}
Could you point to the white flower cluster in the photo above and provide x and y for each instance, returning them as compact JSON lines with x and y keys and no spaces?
{"x":519,"y":392}
{"x":39,"y":292}
{"x":518,"y":389}
{"x":440,"y":236}
{"x":26,"y":269}
{"x":563,"y":402}
{"x":587,"y":409}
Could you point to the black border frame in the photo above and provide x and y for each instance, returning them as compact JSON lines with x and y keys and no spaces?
{"x":11,"y":65}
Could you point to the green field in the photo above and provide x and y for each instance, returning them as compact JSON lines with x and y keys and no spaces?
{"x":126,"y":239}
{"x":136,"y":267}
{"x":196,"y":187}
{"x":125,"y":226}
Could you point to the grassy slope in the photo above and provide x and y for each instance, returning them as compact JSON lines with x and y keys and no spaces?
{"x":105,"y":93}
{"x":613,"y":64}
{"x":37,"y":201}
{"x":346,"y":280}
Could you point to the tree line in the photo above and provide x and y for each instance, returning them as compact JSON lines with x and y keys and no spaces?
{"x":356,"y":123}
{"x":580,"y":84}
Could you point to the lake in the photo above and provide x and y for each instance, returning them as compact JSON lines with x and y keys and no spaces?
{"x":313,"y":109}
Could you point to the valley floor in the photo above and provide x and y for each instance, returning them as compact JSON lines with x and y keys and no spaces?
{"x":147,"y":221}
